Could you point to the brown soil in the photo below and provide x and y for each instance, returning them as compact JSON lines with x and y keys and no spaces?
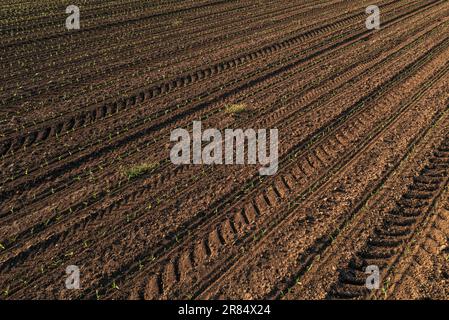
{"x":363,"y":150}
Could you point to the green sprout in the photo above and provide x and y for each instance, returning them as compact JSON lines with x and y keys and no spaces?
{"x":115,"y":286}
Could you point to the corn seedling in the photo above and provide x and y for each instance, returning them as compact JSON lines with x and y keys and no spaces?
{"x":115,"y":286}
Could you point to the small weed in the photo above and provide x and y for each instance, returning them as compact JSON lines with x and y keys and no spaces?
{"x":235,"y":108}
{"x":177,"y":22}
{"x":140,"y":170}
